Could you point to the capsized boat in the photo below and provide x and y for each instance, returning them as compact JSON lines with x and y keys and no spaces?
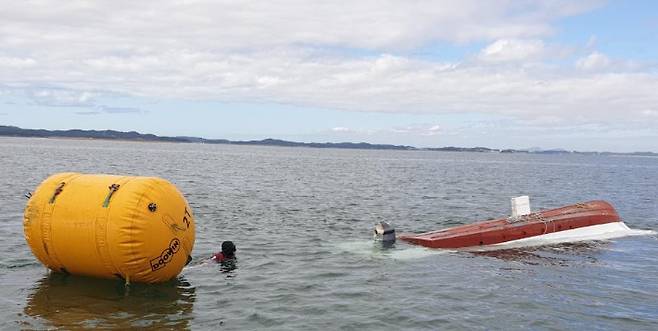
{"x":525,"y":226}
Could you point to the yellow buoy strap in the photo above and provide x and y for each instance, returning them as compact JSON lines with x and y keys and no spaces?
{"x":113,"y":188}
{"x":58,"y":190}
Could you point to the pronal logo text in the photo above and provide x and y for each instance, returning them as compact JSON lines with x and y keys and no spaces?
{"x":166,"y":255}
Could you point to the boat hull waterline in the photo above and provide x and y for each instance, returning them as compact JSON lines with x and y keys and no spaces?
{"x":581,"y":221}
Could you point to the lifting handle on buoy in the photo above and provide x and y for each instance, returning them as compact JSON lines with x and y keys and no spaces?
{"x":113,"y":188}
{"x":58,"y":190}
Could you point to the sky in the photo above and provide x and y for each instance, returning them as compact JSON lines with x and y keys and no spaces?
{"x":578,"y":75}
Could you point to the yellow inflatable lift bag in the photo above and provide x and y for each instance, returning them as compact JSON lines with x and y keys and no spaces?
{"x":139,"y":229}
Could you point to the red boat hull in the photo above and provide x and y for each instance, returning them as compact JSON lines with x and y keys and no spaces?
{"x":504,"y":230}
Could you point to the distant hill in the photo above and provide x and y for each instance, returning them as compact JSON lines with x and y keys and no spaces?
{"x":12,"y":131}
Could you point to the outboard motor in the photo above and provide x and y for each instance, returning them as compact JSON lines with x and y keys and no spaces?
{"x":384,"y":232}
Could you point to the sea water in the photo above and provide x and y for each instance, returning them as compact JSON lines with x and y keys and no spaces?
{"x":302,"y":221}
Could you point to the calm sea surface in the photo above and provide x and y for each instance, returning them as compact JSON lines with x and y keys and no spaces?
{"x":301,"y":219}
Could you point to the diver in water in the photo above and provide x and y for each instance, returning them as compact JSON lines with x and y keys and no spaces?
{"x":227,"y":254}
{"x":226,"y":258}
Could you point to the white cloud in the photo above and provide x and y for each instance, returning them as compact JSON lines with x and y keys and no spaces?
{"x":341,"y":129}
{"x":311,"y":54}
{"x":120,"y":26}
{"x":101,"y":109}
{"x":504,"y":50}
{"x":383,"y":83}
{"x":594,"y":61}
{"x":16,"y":62}
{"x":419,"y":130}
{"x":117,"y":110}
{"x":650,"y":113}
{"x":433,"y":130}
{"x":61,"y":97}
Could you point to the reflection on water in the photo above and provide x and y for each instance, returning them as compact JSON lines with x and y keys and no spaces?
{"x":64,"y":301}
{"x":228,"y":266}
{"x":561,"y":255}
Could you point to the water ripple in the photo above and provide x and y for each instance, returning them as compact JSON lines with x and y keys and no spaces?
{"x":301,"y":219}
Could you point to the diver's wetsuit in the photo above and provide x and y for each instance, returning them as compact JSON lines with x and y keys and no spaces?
{"x":220,"y":257}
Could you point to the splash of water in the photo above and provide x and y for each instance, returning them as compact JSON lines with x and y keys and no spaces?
{"x":397,"y":251}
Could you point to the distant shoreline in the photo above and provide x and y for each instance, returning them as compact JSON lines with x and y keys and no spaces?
{"x":132,"y":136}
